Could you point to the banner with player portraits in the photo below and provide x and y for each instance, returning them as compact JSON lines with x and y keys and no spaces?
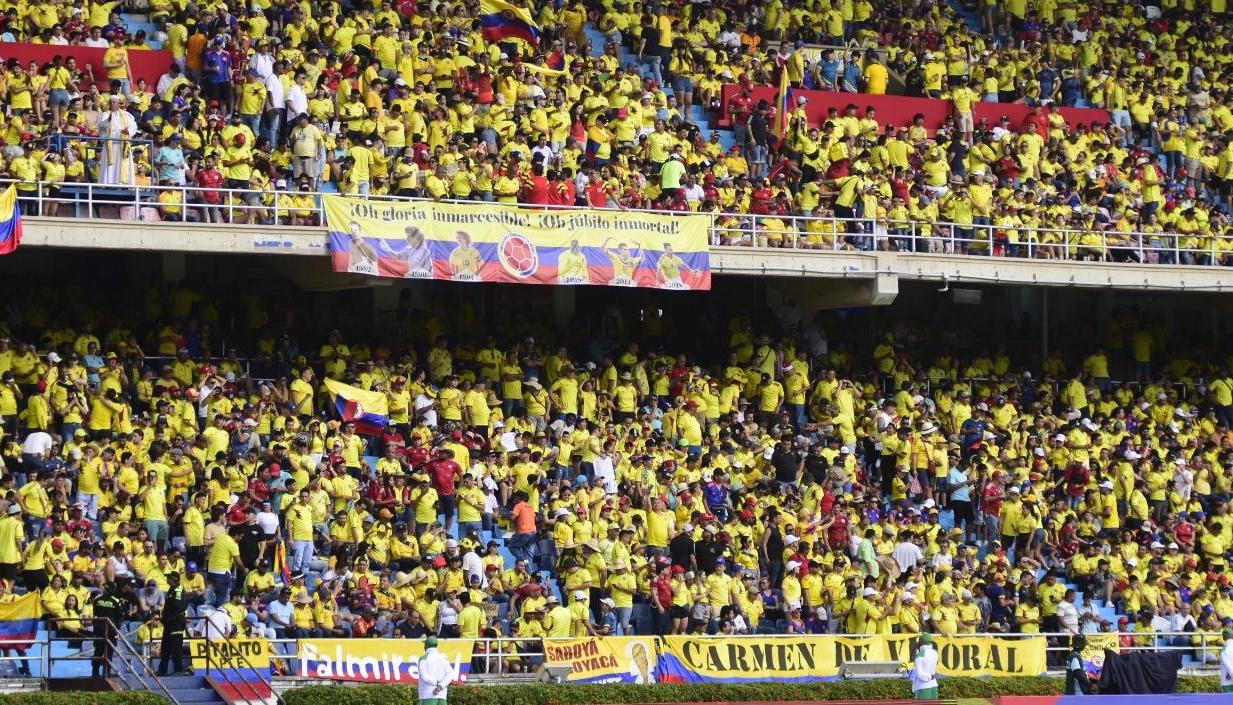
{"x":484,"y":242}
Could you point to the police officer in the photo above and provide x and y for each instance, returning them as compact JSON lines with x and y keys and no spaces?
{"x":174,"y":625}
{"x":110,"y":608}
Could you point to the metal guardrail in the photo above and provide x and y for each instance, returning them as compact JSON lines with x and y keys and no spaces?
{"x":775,"y":232}
{"x":121,"y":662}
{"x":497,"y":651}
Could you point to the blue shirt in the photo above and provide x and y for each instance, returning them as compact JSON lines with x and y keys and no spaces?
{"x":959,"y":492}
{"x":94,"y":363}
{"x":218,"y":66}
{"x":171,"y":161}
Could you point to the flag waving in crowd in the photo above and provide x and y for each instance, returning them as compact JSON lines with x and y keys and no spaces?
{"x":10,"y":221}
{"x":369,"y":411}
{"x":501,"y":20}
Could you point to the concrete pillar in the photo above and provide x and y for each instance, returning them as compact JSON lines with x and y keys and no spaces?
{"x":817,"y":294}
{"x":564,"y":304}
{"x":173,"y":267}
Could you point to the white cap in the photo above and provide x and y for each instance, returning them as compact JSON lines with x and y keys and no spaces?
{"x":607,"y":601}
{"x":1132,"y":561}
{"x":1156,"y":544}
{"x":580,"y":595}
{"x":793,"y":565}
{"x":451,"y":544}
{"x":53,"y":358}
{"x":1106,"y":485}
{"x":870,"y":592}
{"x":1060,"y":437}
{"x":1039,"y":452}
{"x":790,"y":539}
{"x":1131,"y":455}
{"x":553,"y":599}
{"x":929,"y":504}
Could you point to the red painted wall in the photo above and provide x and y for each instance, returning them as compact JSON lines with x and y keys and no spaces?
{"x":898,"y":110}
{"x":145,"y":63}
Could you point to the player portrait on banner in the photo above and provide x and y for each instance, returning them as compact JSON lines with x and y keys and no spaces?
{"x":671,"y":269}
{"x":363,"y":256}
{"x":465,"y":259}
{"x":572,"y":265}
{"x":500,"y":243}
{"x":415,"y":254}
{"x":624,"y":262}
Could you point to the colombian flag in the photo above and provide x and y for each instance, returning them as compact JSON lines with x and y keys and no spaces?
{"x":10,"y":221}
{"x":19,"y":620}
{"x":785,"y":93}
{"x":368,"y":410}
{"x":500,"y":20}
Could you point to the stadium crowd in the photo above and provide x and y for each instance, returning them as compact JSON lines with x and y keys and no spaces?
{"x":412,"y":99}
{"x":528,"y":487}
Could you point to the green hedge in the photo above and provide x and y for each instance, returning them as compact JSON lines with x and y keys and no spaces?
{"x":883,"y":689}
{"x":84,"y":698}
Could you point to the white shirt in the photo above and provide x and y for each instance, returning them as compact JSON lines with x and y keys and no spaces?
{"x":268,"y":521}
{"x":1226,"y":663}
{"x":164,"y":82}
{"x":907,"y":555}
{"x":424,"y":401}
{"x":217,"y":625}
{"x":297,"y":102}
{"x":37,"y":443}
{"x":435,"y":675}
{"x":1068,"y":617}
{"x":473,"y":565}
{"x":605,"y":473}
{"x":99,"y":43}
{"x":925,"y":669}
{"x":276,"y":95}
{"x":263,"y":64}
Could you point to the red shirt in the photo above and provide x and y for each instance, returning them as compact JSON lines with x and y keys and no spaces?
{"x":598,"y":193}
{"x":740,"y":107}
{"x":663,"y":590}
{"x":536,"y":191}
{"x":416,"y":456}
{"x":838,"y":531}
{"x":992,"y":497}
{"x":445,"y":473}
{"x":237,"y":513}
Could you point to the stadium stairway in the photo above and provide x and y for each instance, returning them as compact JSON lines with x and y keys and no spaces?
{"x":967,"y":14}
{"x":697,"y":114}
{"x":136,"y":22}
{"x":191,"y":689}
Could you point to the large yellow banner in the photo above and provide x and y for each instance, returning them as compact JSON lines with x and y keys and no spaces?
{"x":612,"y":659}
{"x":684,"y":659}
{"x":376,"y":660}
{"x":518,"y":245}
{"x":975,"y":655}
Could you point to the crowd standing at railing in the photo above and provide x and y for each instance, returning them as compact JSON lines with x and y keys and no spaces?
{"x":403,"y":99}
{"x":527,"y":486}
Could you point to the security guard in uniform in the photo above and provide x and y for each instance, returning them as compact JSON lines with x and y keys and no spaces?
{"x":110,"y":609}
{"x":174,"y":625}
